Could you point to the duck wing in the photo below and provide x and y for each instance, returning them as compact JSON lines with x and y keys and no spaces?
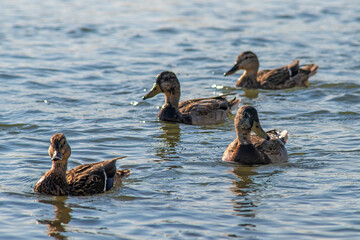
{"x":91,"y":178}
{"x":274,"y":149}
{"x":188,"y":102}
{"x":212,"y":110}
{"x":279,"y":78}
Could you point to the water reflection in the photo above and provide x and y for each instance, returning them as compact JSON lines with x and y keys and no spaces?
{"x":251,"y":93}
{"x":57,"y":226}
{"x":168,"y":141}
{"x":243,"y":205}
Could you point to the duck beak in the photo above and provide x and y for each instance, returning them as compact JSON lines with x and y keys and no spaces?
{"x":153,"y":92}
{"x":259,"y":131}
{"x":56,"y":156}
{"x":232,"y":70}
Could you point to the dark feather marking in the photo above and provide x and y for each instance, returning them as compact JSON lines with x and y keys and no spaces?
{"x":109,"y":183}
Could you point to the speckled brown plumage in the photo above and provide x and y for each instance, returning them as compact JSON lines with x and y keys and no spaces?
{"x":212,"y":110}
{"x":262,"y":148}
{"x":280,"y":78}
{"x":85,"y":179}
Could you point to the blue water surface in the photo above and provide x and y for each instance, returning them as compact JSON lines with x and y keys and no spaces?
{"x":82,"y":67}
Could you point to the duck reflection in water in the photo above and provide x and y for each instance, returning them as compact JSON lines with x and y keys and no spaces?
{"x":57,"y":226}
{"x":248,"y":188}
{"x":168,"y":141}
{"x":243,"y":185}
{"x":251,"y":93}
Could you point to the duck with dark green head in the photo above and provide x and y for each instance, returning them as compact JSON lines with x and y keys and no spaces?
{"x":200,"y":111}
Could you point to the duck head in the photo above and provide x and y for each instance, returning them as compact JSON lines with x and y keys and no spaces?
{"x":59,"y":149}
{"x":167,"y":83}
{"x":247,"y":61}
{"x":247,"y":120}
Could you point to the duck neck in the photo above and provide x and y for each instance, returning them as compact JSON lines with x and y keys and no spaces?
{"x":243,"y":136}
{"x":172,"y":100}
{"x":248,"y":79}
{"x":59,"y":168}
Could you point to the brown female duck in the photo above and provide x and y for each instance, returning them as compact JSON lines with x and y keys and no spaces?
{"x":280,"y":78}
{"x":263,"y":148}
{"x":212,"y":110}
{"x":85,"y":179}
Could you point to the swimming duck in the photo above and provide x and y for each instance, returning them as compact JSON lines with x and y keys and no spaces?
{"x":201,"y":111}
{"x":263,"y":148}
{"x":82,"y":180}
{"x":280,"y":78}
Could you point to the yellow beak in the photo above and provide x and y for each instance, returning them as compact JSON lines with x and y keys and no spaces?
{"x":259,"y":131}
{"x":153,"y":92}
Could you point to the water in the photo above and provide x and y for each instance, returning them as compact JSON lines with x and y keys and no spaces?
{"x":81,"y":68}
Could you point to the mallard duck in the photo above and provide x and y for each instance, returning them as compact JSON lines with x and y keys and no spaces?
{"x":85,"y":179}
{"x":200,"y":111}
{"x":280,"y":78}
{"x":263,"y":148}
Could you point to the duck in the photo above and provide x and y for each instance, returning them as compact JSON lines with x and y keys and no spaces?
{"x":262,"y":148}
{"x":86,"y":179}
{"x":200,"y":111}
{"x":280,"y":78}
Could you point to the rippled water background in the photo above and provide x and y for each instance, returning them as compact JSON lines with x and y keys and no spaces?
{"x":81,"y":68}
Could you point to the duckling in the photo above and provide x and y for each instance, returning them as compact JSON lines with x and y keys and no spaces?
{"x":82,"y":180}
{"x":263,"y":148}
{"x":280,"y":78}
{"x":200,"y":111}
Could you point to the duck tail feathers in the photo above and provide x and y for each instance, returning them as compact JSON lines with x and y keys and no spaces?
{"x":307,"y":71}
{"x":284,"y":136}
{"x":234,"y":103}
{"x":311,"y":69}
{"x":121,"y":175}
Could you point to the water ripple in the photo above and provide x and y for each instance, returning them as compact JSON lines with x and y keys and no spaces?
{"x":81,"y":68}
